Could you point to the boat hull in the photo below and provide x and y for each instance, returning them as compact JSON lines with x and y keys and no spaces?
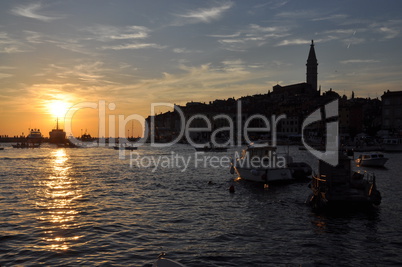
{"x":300,"y":170}
{"x":211,"y":149}
{"x":378,"y":162}
{"x":125,"y":147}
{"x":264,"y":175}
{"x":319,"y":203}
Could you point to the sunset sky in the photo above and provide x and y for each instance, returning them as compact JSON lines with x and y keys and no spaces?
{"x":54,"y":54}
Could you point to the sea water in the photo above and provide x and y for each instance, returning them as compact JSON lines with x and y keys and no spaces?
{"x":85,"y":206}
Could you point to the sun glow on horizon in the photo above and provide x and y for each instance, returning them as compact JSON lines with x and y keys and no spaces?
{"x":58,"y":108}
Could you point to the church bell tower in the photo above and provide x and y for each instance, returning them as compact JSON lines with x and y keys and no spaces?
{"x":312,"y":65}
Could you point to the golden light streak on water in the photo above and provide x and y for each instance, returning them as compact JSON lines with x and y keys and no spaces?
{"x":57,"y":195}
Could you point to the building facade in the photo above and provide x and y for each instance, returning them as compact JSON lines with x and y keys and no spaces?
{"x":392,"y":111}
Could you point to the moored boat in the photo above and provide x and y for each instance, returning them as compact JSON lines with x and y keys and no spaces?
{"x":210,"y":147}
{"x":69,"y":144}
{"x":26,"y":145}
{"x":86,"y":137}
{"x":261,"y":163}
{"x":340,"y":187}
{"x":125,"y":147}
{"x":34,"y":137}
{"x":373,"y":159}
{"x":57,"y":136}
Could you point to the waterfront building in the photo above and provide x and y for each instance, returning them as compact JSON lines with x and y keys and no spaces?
{"x":392,"y":111}
{"x":308,"y":88}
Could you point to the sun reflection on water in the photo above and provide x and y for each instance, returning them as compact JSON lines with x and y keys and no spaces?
{"x":57,"y":200}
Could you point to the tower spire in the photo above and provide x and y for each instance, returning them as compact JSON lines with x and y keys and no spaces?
{"x":312,"y":66}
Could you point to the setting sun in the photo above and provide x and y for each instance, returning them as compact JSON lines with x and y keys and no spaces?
{"x":58,"y":108}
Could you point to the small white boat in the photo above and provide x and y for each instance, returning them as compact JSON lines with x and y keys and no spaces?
{"x":261,"y":163}
{"x":373,"y":159}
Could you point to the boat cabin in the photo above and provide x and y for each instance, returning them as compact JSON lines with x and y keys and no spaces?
{"x":259,"y":151}
{"x":339,"y":173}
{"x":371,"y":156}
{"x":337,"y":177}
{"x":263,"y":153}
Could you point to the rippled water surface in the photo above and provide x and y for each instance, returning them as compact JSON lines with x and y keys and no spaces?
{"x":88,"y":207}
